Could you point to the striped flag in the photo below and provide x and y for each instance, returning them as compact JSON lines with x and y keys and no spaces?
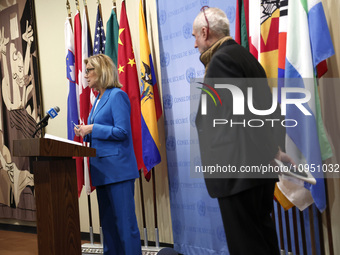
{"x":78,"y":75}
{"x":99,"y":35}
{"x":322,"y":48}
{"x":242,"y":23}
{"x":308,"y":43}
{"x":254,"y":27}
{"x":84,"y":97}
{"x":84,"y":90}
{"x":238,"y":21}
{"x":270,"y":14}
{"x":282,"y":40}
{"x":72,"y":106}
{"x":127,"y":72}
{"x":150,"y":103}
{"x":283,"y":21}
{"x":111,"y":45}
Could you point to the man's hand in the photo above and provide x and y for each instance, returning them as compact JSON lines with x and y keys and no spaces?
{"x":283,"y":157}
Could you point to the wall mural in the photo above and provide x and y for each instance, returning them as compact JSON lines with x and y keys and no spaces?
{"x":20,"y":105}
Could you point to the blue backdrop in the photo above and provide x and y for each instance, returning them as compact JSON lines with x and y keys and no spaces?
{"x":196,"y":219}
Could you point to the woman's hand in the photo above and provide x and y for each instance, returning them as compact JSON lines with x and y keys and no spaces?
{"x":83,"y":130}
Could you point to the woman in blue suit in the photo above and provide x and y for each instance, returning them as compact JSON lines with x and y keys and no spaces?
{"x":114,"y":169}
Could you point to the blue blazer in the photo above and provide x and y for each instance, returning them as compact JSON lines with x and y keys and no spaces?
{"x":111,"y":137}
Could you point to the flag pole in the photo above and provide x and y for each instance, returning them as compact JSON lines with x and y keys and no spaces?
{"x":68,"y":7}
{"x":114,"y":6}
{"x":92,"y":245}
{"x":90,"y":218}
{"x":77,"y":5}
{"x":289,"y":242}
{"x":88,"y":21}
{"x":312,"y":228}
{"x":85,"y":159}
{"x":146,"y":244}
{"x":279,"y":217}
{"x":132,"y":88}
{"x":303,"y":232}
{"x":155,"y":206}
{"x":143,"y":208}
{"x":100,"y":9}
{"x":153,"y":171}
{"x":328,"y":222}
{"x":296,"y":233}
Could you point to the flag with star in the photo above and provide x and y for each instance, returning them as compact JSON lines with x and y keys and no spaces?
{"x":72,"y":107}
{"x":127,"y":72}
{"x":99,"y":36}
{"x":150,"y":102}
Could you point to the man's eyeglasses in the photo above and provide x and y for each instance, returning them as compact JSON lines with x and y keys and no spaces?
{"x":206,"y":19}
{"x":87,"y":70}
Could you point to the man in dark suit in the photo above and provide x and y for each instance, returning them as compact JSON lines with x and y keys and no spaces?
{"x":245,"y":199}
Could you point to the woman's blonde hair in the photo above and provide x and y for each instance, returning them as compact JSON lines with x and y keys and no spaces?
{"x":107,"y":75}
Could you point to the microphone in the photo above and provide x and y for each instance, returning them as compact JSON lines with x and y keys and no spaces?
{"x":51,"y":113}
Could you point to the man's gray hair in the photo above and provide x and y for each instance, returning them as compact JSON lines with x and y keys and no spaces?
{"x":218,"y":21}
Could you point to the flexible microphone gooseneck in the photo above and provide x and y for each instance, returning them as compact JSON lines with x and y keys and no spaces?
{"x":51,"y":113}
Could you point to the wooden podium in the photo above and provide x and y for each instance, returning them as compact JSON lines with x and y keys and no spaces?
{"x":56,"y":193}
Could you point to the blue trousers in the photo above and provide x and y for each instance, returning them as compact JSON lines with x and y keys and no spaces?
{"x":118,"y":219}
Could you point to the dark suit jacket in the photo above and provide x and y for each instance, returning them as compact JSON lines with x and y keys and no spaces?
{"x":111,"y":137}
{"x":237,"y":145}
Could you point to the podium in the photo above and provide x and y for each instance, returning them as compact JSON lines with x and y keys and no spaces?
{"x":56,"y":193}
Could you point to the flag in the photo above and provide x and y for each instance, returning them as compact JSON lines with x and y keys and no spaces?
{"x":322,"y":68}
{"x":242,"y":23}
{"x":283,"y":21}
{"x":99,"y":36}
{"x":84,"y":90}
{"x":282,"y":38}
{"x":322,"y":48}
{"x":128,"y":77}
{"x":282,"y":199}
{"x":308,"y":43}
{"x":84,"y":96}
{"x":150,"y":103}
{"x":111,"y":45}
{"x":78,"y":75}
{"x":238,"y":21}
{"x":72,"y":106}
{"x":254,"y":27}
{"x":269,"y":42}
{"x":320,"y":38}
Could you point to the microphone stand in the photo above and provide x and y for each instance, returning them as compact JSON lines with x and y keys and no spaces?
{"x":41,"y":126}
